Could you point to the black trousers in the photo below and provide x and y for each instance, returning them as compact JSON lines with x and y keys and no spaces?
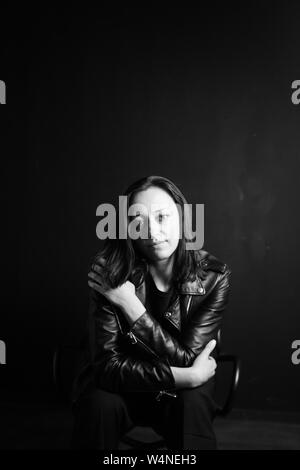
{"x":101,"y":418}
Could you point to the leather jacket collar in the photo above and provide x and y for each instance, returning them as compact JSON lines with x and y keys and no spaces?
{"x":198,"y":287}
{"x":205,"y":261}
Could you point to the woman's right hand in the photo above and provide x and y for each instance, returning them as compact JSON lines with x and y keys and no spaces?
{"x":204,"y":366}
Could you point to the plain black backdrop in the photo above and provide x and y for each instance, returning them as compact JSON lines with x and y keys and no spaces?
{"x":98,"y":98}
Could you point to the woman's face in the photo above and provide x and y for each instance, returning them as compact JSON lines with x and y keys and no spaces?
{"x":158,"y":210}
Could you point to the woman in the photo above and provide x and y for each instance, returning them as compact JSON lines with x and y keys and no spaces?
{"x":155,"y":311}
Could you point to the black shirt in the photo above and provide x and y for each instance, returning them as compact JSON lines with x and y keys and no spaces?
{"x":157,"y":301}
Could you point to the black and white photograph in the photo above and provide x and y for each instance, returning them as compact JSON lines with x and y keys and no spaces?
{"x":150,"y":236}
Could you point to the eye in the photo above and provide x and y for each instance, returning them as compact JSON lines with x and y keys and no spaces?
{"x":162,"y":217}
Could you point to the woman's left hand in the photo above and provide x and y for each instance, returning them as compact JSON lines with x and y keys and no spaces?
{"x":119,"y":296}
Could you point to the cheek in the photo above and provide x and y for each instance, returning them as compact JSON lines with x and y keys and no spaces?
{"x":173,"y":244}
{"x":174,"y":229}
{"x":174,"y":235}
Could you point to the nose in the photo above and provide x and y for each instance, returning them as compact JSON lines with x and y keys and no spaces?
{"x":153,"y":229}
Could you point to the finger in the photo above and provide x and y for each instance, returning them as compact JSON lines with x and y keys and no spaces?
{"x":213,"y":363}
{"x":95,"y":277}
{"x":210,"y":347}
{"x":98,"y":268}
{"x":102,"y":261}
{"x":95,"y":286}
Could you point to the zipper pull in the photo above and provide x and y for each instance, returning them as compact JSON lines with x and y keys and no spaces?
{"x":174,"y":395}
{"x":133,"y":339}
{"x":163,"y":392}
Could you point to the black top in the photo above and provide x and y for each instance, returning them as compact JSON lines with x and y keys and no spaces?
{"x":157,"y":301}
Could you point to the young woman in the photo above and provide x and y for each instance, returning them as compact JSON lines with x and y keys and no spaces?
{"x":155,"y":311}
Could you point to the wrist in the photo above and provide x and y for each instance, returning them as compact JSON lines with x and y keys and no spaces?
{"x":132,"y":309}
{"x":194,"y":377}
{"x":130,"y":304}
{"x":184,"y":377}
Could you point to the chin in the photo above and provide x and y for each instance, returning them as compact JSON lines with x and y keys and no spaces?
{"x":162,"y":255}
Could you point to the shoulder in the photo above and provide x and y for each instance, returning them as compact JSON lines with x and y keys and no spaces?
{"x":216,"y":274}
{"x":208,"y":262}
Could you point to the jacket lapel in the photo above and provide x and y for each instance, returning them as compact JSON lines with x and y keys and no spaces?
{"x":180,"y":306}
{"x":181,"y":302}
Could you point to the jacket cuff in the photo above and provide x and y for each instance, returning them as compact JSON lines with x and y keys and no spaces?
{"x":138,"y":320}
{"x":164,"y":363}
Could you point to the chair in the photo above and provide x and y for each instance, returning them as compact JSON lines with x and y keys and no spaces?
{"x":65,"y":365}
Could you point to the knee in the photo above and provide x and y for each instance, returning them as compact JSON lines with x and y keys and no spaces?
{"x":198,"y":397}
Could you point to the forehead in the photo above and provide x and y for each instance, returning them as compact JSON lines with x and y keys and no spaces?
{"x":155,"y":197}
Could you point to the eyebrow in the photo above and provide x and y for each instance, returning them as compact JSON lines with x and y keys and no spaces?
{"x":141,"y":215}
{"x":161,"y":209}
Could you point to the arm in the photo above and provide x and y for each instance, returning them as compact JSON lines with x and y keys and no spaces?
{"x":113,"y":368}
{"x":183,"y":377}
{"x":202,"y":326}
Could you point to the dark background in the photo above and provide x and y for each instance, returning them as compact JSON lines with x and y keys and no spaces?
{"x":99,"y":98}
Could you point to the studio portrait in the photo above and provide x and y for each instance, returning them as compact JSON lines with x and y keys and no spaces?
{"x":150,"y":231}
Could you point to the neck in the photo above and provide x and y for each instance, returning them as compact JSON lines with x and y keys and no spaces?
{"x":161,"y":271}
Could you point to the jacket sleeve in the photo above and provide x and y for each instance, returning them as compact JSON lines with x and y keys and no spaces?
{"x":114,"y":368}
{"x":202,"y":325}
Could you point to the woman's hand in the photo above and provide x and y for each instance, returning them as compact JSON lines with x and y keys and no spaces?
{"x":204,"y":366}
{"x":120,"y":296}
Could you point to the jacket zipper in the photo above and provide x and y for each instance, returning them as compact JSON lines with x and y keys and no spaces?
{"x":188,"y":305}
{"x":163,"y":392}
{"x":135,"y":340}
{"x":168,"y":314}
{"x":172,"y":322}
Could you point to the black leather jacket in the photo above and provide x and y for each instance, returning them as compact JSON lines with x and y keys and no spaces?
{"x":138,"y":358}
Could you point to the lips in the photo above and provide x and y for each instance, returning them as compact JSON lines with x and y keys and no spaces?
{"x":157,"y":244}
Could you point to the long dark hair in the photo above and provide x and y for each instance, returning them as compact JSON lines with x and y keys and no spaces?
{"x":123,"y":262}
